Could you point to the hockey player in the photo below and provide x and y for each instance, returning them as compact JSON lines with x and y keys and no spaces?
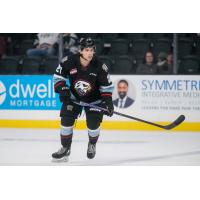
{"x":89,"y":82}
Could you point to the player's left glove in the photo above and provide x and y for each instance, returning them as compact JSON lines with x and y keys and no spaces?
{"x":108,"y":105}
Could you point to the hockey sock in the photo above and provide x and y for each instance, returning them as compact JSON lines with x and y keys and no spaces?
{"x":66,"y":141}
{"x":93,"y":140}
{"x":66,"y":134}
{"x":93,"y":135}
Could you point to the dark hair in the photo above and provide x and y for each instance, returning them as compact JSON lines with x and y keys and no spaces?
{"x":144,"y":58}
{"x":123,"y":81}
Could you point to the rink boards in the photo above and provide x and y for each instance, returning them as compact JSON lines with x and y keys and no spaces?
{"x":30,"y":102}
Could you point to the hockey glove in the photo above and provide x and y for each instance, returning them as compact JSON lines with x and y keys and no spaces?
{"x":64,"y":94}
{"x":108,"y":104}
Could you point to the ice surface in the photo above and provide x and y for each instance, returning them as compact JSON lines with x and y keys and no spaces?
{"x":35,"y":146}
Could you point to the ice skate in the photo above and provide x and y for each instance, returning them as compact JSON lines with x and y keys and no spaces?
{"x":91,"y":151}
{"x":62,"y":155}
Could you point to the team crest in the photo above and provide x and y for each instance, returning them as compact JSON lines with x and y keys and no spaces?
{"x":82,"y":87}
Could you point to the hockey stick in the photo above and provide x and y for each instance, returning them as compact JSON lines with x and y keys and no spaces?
{"x":174,"y":124}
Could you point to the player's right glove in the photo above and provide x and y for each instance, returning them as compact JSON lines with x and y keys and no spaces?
{"x":64,"y":94}
{"x":108,"y":105}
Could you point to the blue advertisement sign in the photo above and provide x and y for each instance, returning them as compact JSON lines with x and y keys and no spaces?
{"x":31,"y":92}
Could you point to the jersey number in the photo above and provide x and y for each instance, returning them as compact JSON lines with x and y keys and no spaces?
{"x":59,"y":69}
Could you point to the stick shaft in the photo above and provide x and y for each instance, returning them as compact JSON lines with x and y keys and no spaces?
{"x":137,"y":119}
{"x":121,"y":114}
{"x":178,"y":121}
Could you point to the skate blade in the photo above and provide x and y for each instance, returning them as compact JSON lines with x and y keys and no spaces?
{"x":64,"y":159}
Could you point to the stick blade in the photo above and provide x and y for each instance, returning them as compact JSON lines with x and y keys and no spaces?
{"x":178,"y":121}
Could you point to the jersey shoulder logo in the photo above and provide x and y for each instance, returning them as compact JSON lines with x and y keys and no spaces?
{"x":104,"y":67}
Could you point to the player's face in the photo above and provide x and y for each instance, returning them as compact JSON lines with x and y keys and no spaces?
{"x":122,"y":89}
{"x":88,"y":53}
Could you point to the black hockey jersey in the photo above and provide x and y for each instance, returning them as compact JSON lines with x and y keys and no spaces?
{"x":87,"y":84}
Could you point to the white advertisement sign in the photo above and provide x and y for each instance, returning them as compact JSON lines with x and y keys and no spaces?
{"x":158,"y":98}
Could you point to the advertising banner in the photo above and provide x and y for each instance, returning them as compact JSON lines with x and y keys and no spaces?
{"x":28,"y":93}
{"x":158,"y":98}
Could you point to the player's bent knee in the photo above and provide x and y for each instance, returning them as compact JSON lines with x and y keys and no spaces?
{"x":93,"y":124}
{"x":94,"y":121}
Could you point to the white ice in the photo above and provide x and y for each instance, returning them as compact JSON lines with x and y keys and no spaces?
{"x":35,"y":146}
